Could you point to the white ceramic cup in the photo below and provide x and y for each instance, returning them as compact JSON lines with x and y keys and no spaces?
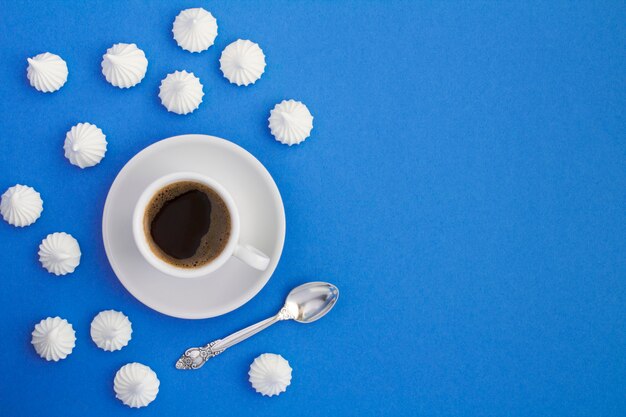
{"x":246,"y":253}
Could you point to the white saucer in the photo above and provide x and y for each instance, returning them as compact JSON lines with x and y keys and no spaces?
{"x":262,"y":225}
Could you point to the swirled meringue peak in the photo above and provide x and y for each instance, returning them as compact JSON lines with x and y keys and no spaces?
{"x":85,"y":145}
{"x":124,"y":65}
{"x":21,"y":205}
{"x":242,"y":62}
{"x":195,"y":29}
{"x":59,"y":253}
{"x":181,"y":92}
{"x":136,"y":385}
{"x":47,"y":72}
{"x":290,"y":122}
{"x":53,"y":338}
{"x":111,"y":330}
{"x":270,"y":374}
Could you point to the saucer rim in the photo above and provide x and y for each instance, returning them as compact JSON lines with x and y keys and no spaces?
{"x":252,"y":291}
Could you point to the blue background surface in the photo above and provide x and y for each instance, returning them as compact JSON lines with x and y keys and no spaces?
{"x":464,"y":186}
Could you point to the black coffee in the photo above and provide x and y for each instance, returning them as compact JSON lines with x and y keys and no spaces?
{"x":187,"y":224}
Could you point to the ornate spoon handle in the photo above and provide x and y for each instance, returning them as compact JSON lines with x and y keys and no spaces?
{"x":194,"y":358}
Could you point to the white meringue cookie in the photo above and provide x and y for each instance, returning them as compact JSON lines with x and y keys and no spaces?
{"x":85,"y":145}
{"x":124,"y":65}
{"x":181,"y":92}
{"x":242,"y":62}
{"x":290,"y":122}
{"x":195,"y":29}
{"x":47,"y":72}
{"x":53,"y":338}
{"x":270,"y":374}
{"x":59,"y":253}
{"x":136,"y":385}
{"x":21,"y":205}
{"x":111,"y":330}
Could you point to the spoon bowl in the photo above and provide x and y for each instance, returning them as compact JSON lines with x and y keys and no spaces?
{"x":311,"y":301}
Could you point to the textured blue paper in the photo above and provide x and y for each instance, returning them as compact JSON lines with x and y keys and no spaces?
{"x":464,"y":186}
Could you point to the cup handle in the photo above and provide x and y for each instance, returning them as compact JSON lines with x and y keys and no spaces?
{"x":252,"y":256}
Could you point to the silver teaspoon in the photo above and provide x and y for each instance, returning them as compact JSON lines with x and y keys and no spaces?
{"x":304,"y":304}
